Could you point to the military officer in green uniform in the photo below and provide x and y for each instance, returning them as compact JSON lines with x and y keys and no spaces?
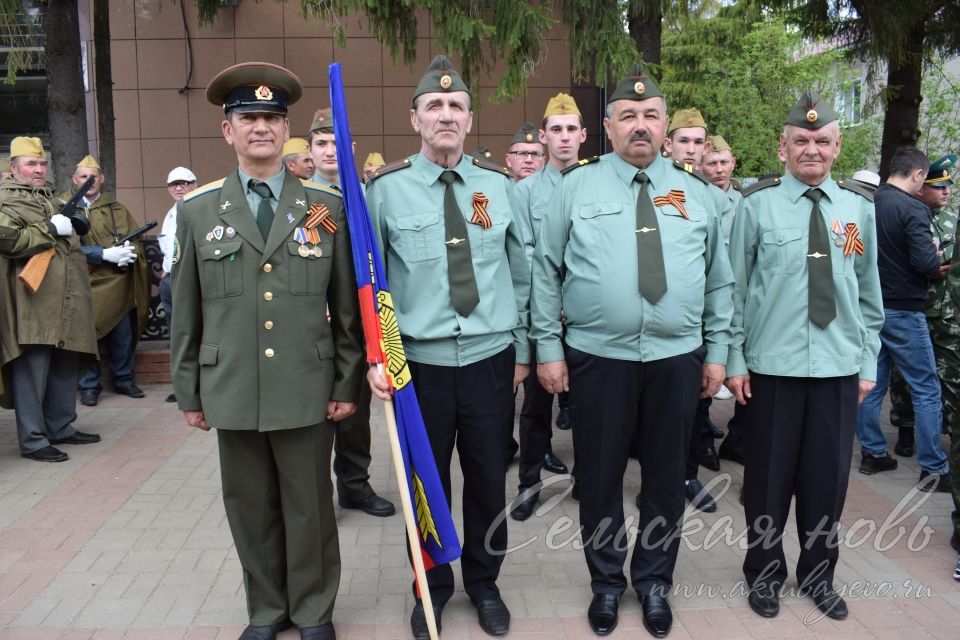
{"x":631,"y":254}
{"x":351,"y":445}
{"x":453,"y":252}
{"x":562,"y":133}
{"x":119,"y":281}
{"x":807,"y":316}
{"x":43,"y":334}
{"x":260,"y":256}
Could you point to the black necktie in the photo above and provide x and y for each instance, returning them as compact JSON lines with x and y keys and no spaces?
{"x":463,"y":283}
{"x":264,"y":211}
{"x":651,"y":275}
{"x":820,"y":296}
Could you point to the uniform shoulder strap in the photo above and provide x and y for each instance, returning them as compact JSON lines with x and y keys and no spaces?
{"x":580,"y":163}
{"x":210,"y":187}
{"x":389,"y":168}
{"x":316,"y":186}
{"x":851,"y":185}
{"x":688,"y":168}
{"x":759,"y":185}
{"x":483,"y":163}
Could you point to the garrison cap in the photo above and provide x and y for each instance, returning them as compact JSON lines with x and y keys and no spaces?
{"x":526,"y":133}
{"x":24,"y":146}
{"x":685,"y":118}
{"x":322,"y":120}
{"x":811,"y":112}
{"x":941,"y":171}
{"x":718,"y":143}
{"x":89,"y":162}
{"x":560,"y":105}
{"x":636,"y":85}
{"x":373,"y":161}
{"x":294,"y":145}
{"x":440,"y":76}
{"x":483,"y":152}
{"x":254,"y":87}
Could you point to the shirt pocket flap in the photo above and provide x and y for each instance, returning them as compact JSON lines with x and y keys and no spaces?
{"x":219,"y":250}
{"x":782,"y":236}
{"x":418,"y":221}
{"x":325,"y":348}
{"x":208,"y":354}
{"x":599,"y":209}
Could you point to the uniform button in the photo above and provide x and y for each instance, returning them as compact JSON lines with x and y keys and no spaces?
{"x":268,"y":353}
{"x":268,"y":324}
{"x":60,"y":344}
{"x":268,"y":296}
{"x":217,"y":252}
{"x":267,"y":268}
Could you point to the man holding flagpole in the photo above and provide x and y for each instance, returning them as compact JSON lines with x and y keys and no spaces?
{"x":454,"y":256}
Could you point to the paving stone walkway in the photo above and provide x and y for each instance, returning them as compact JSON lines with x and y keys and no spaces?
{"x":128,"y":540}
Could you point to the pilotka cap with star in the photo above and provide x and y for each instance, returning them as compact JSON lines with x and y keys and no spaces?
{"x":526,"y":133}
{"x":811,"y":112}
{"x":440,"y":76}
{"x":636,"y":85}
{"x":686,"y":119}
{"x":322,"y":120}
{"x":254,"y":87}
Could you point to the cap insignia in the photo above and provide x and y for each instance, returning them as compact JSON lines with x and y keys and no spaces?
{"x":263,"y":92}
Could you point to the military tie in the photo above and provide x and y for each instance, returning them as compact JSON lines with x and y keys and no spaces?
{"x":651,"y":275}
{"x":463,"y":283}
{"x":820,"y":297}
{"x":264,"y":211}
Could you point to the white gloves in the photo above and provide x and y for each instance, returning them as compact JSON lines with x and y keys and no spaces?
{"x":62,"y":223}
{"x":120,"y":256}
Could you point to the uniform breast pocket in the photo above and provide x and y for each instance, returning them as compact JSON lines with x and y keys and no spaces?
{"x":221,"y":265}
{"x":419,"y":237}
{"x":309,"y":267}
{"x":781,"y":250}
{"x":488,"y":243}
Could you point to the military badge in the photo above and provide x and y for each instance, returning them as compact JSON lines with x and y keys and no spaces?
{"x":638,"y":88}
{"x":263,"y":92}
{"x":176,"y":250}
{"x":218,"y":232}
{"x":839,"y":231}
{"x":231,"y":232}
{"x":289,"y":217}
{"x":445,"y":81}
{"x":209,"y":236}
{"x":853,"y":243}
{"x":674,"y":198}
{"x":812,"y":115}
{"x":480,"y":215}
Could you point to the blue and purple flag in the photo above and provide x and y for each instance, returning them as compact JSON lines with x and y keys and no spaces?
{"x":438,"y":536}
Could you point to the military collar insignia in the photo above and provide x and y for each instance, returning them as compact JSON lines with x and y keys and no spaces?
{"x":301,"y":203}
{"x":226,"y":205}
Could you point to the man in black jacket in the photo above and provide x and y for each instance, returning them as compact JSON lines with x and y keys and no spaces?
{"x":907,"y":259}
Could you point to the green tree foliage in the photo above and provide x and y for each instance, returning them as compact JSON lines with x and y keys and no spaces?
{"x":745,"y":78}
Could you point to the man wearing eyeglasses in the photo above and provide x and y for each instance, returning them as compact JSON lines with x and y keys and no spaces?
{"x":180,"y":182}
{"x":525,"y":156}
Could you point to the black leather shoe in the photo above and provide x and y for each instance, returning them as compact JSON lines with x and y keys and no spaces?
{"x":698,"y":496}
{"x":88,"y":398}
{"x":602,"y":614}
{"x":47,"y":454}
{"x":830,"y":603}
{"x":870,"y":465}
{"x":372,"y":504}
{"x":264,"y":632}
{"x":79,"y":438}
{"x":657,"y":617}
{"x":171,"y":398}
{"x":904,"y":446}
{"x":564,"y":423}
{"x":133,"y":391}
{"x":764,"y":601}
{"x":707,"y":456}
{"x":729,"y":452}
{"x":553,"y":464}
{"x":527,"y":503}
{"x":418,"y":621}
{"x":323,"y":632}
{"x":715,"y":431}
{"x":941,"y":484}
{"x":493,"y":616}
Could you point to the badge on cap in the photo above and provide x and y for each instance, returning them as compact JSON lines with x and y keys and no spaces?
{"x":638,"y":88}
{"x":529,"y":137}
{"x":445,"y":81}
{"x":812,"y":115}
{"x":263,"y":93}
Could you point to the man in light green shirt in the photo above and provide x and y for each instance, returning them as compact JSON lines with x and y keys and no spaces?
{"x":631,"y":254}
{"x":460,"y":282}
{"x":807,"y":317}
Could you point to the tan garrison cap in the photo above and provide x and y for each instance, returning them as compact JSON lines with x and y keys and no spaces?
{"x":686,"y":118}
{"x":294,"y":145}
{"x":717,"y":143}
{"x":322,"y":120}
{"x":29,"y":147}
{"x":89,"y":162}
{"x":560,"y":105}
{"x":373,"y":161}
